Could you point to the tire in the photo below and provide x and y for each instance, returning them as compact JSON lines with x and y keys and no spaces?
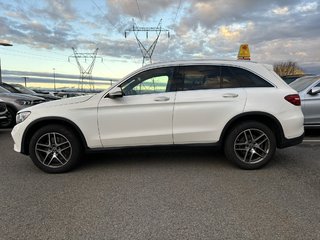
{"x":250,"y":145}
{"x":55,"y":149}
{"x":11,"y":119}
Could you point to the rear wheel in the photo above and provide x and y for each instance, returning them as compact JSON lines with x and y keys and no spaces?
{"x":55,"y":149}
{"x":250,"y":145}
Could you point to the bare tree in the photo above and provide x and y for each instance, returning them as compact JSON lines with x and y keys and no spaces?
{"x":287,"y":68}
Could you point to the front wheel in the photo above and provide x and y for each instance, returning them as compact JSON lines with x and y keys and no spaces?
{"x":55,"y":149}
{"x":11,"y":119}
{"x":250,"y":145}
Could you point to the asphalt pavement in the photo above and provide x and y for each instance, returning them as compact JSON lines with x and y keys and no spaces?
{"x":162,"y":194}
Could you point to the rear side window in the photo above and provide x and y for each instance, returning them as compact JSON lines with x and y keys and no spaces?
{"x":233,"y":77}
{"x":197,"y":77}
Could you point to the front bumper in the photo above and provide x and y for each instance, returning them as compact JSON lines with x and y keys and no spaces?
{"x":17,"y":134}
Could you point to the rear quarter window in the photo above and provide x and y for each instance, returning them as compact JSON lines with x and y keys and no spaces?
{"x":233,"y":77}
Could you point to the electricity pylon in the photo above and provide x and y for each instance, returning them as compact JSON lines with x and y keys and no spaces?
{"x":146,"y":51}
{"x":85,"y":73}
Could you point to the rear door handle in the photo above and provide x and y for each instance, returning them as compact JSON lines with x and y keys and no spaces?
{"x":161,"y":99}
{"x":230,"y":95}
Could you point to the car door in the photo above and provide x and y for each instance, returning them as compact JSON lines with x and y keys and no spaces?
{"x":143,"y":116}
{"x":311,"y":106}
{"x":203,"y":106}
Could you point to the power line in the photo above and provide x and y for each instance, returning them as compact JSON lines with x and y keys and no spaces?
{"x":139,"y":9}
{"x":99,"y":8}
{"x":174,"y":22}
{"x":175,"y":18}
{"x":35,"y":55}
{"x":21,"y":54}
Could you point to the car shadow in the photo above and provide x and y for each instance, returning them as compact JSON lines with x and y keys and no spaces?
{"x":312,"y":132}
{"x":155,"y":156}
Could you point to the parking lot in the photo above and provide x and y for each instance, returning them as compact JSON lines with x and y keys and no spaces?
{"x":162,"y":194}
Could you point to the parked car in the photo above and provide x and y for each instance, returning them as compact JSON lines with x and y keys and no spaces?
{"x":16,"y":102}
{"x":291,"y":78}
{"x":241,"y":105}
{"x":18,"y":88}
{"x":66,"y":94}
{"x":3,"y":112}
{"x":309,"y":91}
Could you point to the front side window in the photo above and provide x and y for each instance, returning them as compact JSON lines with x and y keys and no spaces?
{"x":197,"y":77}
{"x":148,"y":82}
{"x":233,"y":77}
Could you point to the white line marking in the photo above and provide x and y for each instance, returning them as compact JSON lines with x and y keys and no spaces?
{"x":309,"y":140}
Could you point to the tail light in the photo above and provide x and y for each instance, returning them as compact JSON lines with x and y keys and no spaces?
{"x":294,"y":99}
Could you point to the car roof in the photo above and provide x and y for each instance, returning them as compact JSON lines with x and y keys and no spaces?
{"x":263,"y":70}
{"x":201,"y":61}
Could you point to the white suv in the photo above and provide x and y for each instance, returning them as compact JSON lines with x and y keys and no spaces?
{"x":243,"y":106}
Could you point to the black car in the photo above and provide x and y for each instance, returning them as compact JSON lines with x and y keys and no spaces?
{"x":17,"y":88}
{"x":3,"y":112}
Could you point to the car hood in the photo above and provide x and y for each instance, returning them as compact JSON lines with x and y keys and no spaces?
{"x":47,"y":96}
{"x":61,"y":102}
{"x":19,"y":96}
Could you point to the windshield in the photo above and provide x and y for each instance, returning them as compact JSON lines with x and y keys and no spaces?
{"x":2,"y":90}
{"x":10,"y":88}
{"x":23,"y":89}
{"x":302,"y":83}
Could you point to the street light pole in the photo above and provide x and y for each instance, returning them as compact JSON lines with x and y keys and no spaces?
{"x":25,"y":81}
{"x":6,"y":44}
{"x":54,"y":78}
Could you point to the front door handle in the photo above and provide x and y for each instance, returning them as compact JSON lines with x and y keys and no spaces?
{"x":230,"y":95}
{"x":161,"y":99}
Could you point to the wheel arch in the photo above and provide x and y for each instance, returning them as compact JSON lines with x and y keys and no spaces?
{"x":46,"y":121}
{"x":262,"y":117}
{"x":11,"y":106}
{"x":12,"y":110}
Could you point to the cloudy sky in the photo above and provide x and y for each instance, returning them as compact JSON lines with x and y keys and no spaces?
{"x":43,"y":33}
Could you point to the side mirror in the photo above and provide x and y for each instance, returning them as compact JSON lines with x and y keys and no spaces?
{"x":313,"y":91}
{"x":115,"y":93}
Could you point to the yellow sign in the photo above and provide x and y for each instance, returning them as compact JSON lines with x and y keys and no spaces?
{"x":244,"y":52}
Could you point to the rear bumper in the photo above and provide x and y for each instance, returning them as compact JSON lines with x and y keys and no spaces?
{"x":290,"y":142}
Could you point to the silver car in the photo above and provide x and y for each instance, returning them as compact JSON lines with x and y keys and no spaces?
{"x":15,"y":102}
{"x":309,"y":91}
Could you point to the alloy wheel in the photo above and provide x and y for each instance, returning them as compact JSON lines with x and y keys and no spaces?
{"x":252,"y":146}
{"x":53,"y":150}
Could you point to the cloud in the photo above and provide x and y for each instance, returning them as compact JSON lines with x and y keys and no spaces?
{"x":281,"y":10}
{"x":56,"y":10}
{"x":130,"y":9}
{"x":286,"y":29}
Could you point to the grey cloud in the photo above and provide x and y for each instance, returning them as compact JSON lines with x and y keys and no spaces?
{"x":147,"y":8}
{"x":57,"y":10}
{"x":194,"y":34}
{"x":46,"y":75}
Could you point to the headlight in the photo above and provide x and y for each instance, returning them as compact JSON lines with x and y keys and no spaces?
{"x":21,"y":116}
{"x":23,"y":102}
